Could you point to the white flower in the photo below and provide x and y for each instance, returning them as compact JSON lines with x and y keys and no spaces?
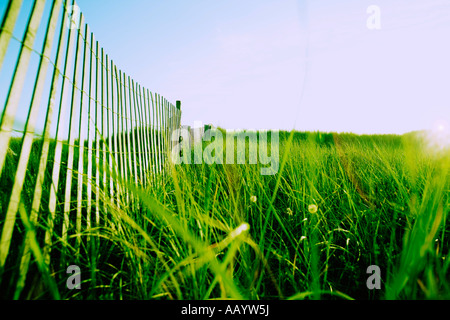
{"x":253,"y":199}
{"x":312,"y":208}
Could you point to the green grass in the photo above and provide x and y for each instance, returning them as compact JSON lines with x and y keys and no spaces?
{"x":194,"y":233}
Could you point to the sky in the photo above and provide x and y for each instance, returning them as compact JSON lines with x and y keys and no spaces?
{"x":286,"y":64}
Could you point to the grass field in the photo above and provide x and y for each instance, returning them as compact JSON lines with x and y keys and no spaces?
{"x":338,"y":204}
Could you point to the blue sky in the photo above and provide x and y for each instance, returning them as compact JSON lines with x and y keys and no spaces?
{"x":284,"y":64}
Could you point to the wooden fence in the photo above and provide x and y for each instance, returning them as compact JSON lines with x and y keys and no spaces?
{"x":86,"y":123}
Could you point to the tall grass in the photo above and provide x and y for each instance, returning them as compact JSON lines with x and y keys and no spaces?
{"x":225,"y":231}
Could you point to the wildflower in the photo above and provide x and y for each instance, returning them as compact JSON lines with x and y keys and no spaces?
{"x":312,"y":208}
{"x":289,"y":211}
{"x":302,"y":238}
{"x":253,"y":199}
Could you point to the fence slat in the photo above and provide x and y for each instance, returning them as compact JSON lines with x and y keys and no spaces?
{"x":154,"y":124}
{"x":119,"y":132}
{"x":164,"y":130}
{"x":90,"y":137}
{"x":142,"y":133}
{"x":105,"y":122}
{"x":133,"y":130}
{"x":160,"y":129}
{"x":157,"y":127}
{"x":123,"y":131}
{"x":71,"y":145}
{"x":147,"y":135}
{"x":7,"y":27}
{"x":138,"y":132}
{"x":110,"y":129}
{"x":82,"y":126}
{"x":98,"y":116}
{"x":128,"y":129}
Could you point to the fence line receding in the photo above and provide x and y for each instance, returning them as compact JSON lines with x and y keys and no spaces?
{"x":72,"y":123}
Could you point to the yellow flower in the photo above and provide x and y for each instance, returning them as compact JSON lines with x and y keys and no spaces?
{"x":312,"y":208}
{"x":289,"y":211}
{"x":253,"y":199}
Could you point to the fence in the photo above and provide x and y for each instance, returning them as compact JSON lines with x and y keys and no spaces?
{"x":85,"y":124}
